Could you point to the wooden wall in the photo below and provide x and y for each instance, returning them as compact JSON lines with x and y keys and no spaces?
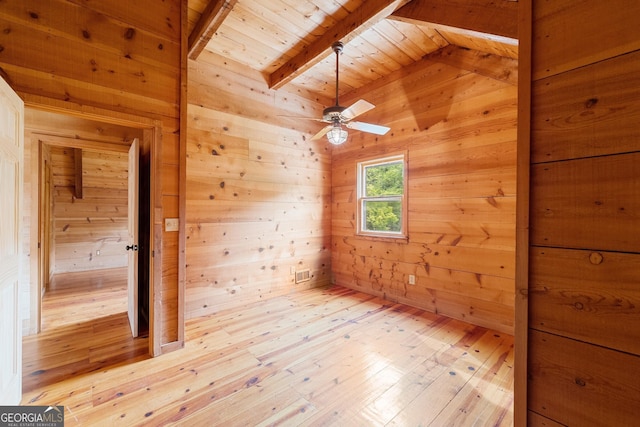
{"x":119,"y":59}
{"x":458,"y":128}
{"x":258,"y":191}
{"x":90,"y":233}
{"x":584,"y":282}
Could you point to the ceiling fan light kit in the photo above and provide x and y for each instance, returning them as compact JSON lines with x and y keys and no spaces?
{"x":337,"y":115}
{"x":337,"y":135}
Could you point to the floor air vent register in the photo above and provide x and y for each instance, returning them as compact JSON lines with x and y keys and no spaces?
{"x":302,"y":276}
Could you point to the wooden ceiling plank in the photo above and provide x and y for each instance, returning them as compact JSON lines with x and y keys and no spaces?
{"x":409,"y":42}
{"x":457,"y":59}
{"x":212,"y":17}
{"x":379,"y":54}
{"x":426,"y":38}
{"x":485,"y":64}
{"x":497,"y":17}
{"x":353,"y":25}
{"x":235,"y":42}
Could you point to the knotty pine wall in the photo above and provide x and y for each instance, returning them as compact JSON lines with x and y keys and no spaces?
{"x":258,"y":191}
{"x":458,"y":129}
{"x":120,"y":57}
{"x":584,"y":275}
{"x":89,"y":233}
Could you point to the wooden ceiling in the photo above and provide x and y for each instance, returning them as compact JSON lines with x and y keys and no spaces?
{"x":289,"y":41}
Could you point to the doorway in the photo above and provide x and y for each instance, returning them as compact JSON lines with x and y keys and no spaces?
{"x":83,"y":207}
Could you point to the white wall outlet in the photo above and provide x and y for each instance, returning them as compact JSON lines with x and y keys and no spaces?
{"x":412,"y":279}
{"x":292,"y":269}
{"x":98,"y":252}
{"x":171,"y":224}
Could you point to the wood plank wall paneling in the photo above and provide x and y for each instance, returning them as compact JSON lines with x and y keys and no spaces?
{"x":569,"y":34}
{"x":89,"y":233}
{"x":588,"y":203}
{"x":459,"y":131}
{"x":584,"y":298}
{"x":258,"y":191}
{"x":107,"y":56}
{"x":574,"y":380}
{"x":580,"y":293}
{"x":587,"y":109}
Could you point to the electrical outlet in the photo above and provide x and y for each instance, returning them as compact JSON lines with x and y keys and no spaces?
{"x":412,"y":279}
{"x":292,"y":269}
{"x":98,"y":252}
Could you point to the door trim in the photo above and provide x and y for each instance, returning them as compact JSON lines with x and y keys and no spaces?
{"x":152,"y":132}
{"x":521,"y":303}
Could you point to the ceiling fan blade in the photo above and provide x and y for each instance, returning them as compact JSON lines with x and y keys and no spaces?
{"x":368,"y":127}
{"x":359,"y":107}
{"x":322,"y":132}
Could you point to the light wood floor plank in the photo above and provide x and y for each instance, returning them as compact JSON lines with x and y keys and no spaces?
{"x":316,"y":358}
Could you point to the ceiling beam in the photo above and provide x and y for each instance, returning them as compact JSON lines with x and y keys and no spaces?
{"x":210,"y":20}
{"x":497,"y":17}
{"x":354,"y":24}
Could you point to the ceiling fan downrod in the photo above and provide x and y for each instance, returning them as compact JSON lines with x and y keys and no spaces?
{"x":336,"y":115}
{"x":337,"y":48}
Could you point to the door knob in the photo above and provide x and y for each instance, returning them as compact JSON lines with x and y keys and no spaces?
{"x":132,"y":247}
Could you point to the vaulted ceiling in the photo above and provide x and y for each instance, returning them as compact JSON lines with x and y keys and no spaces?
{"x":289,"y":41}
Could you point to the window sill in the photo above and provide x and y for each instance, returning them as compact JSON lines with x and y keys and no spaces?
{"x":383,"y":238}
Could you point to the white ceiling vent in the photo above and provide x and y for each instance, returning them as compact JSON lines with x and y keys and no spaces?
{"x":303,"y":275}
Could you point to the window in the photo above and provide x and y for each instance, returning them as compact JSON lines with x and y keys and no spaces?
{"x":381,"y":197}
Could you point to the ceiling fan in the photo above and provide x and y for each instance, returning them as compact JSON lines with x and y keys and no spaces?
{"x":337,"y":115}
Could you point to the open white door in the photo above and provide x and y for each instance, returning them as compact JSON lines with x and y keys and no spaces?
{"x":132,"y":246}
{"x":11,"y":173}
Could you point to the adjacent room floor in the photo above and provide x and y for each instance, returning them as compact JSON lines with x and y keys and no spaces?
{"x":318,"y":357}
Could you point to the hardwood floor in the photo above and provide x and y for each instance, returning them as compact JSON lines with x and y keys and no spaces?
{"x":84,"y":329}
{"x":77,"y":297}
{"x":319,"y":357}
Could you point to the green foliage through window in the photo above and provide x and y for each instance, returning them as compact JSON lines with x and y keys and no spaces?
{"x":381,"y":195}
{"x":384,"y":180}
{"x":383,"y":216}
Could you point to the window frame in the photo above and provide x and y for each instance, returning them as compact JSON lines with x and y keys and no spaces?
{"x":361,"y":198}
